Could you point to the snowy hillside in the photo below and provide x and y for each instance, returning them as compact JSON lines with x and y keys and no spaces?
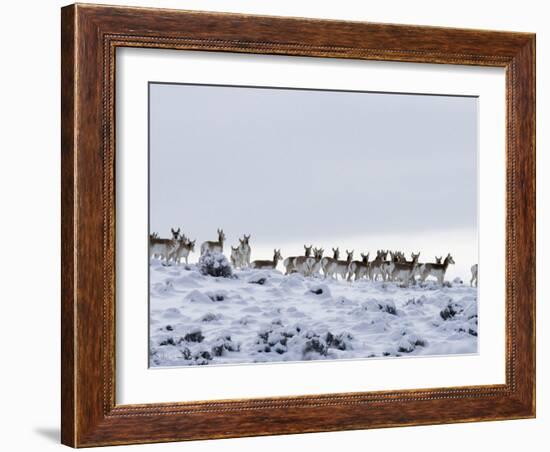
{"x":263,"y":316}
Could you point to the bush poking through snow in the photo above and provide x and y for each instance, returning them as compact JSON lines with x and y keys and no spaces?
{"x":168,"y":341}
{"x":320,"y":289}
{"x":210,"y":317}
{"x":194,"y":336}
{"x":405,"y":346}
{"x":409,"y":342}
{"x":217,"y":296}
{"x":340,"y":341}
{"x":388,"y":306}
{"x":224,"y":344}
{"x":315,"y":345}
{"x":215,"y":264}
{"x":449,"y":312}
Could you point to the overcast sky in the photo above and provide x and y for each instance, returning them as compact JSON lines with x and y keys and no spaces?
{"x":308,"y":166}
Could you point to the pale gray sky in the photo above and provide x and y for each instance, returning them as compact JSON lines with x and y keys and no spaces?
{"x":290,"y":165}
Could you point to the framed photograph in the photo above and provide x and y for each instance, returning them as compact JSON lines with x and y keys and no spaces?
{"x":281,"y":225}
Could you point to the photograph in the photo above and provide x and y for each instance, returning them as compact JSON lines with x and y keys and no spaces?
{"x":290,"y":224}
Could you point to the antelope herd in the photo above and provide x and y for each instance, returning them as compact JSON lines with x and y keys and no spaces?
{"x":387,"y":265}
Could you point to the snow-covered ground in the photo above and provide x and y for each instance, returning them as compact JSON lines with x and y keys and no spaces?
{"x":263,"y":316}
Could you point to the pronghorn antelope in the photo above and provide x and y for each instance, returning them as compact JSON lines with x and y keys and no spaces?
{"x":404,"y":271}
{"x":473,"y":269}
{"x":297,"y":263}
{"x":162,"y":248}
{"x":265,"y":265}
{"x":377,"y":266}
{"x":183,"y":249}
{"x":359,"y":268}
{"x":420,"y":267}
{"x":244,"y":249}
{"x":214,"y":246}
{"x":326,"y":261}
{"x":176,"y":233}
{"x":388,"y":266}
{"x":338,"y":267}
{"x":314,"y":263}
{"x":437,"y":270}
{"x":153,"y":236}
{"x":236,"y":257}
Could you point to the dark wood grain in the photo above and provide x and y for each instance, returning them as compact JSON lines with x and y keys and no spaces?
{"x":67,"y":225}
{"x":90,"y":36}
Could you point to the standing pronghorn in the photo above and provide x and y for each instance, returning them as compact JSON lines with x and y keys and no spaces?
{"x":244,"y":249}
{"x":420,"y":267}
{"x":314,"y":263}
{"x":437,"y":270}
{"x":214,"y":246}
{"x":377,"y":266}
{"x":326,"y":261}
{"x":268,"y":265}
{"x":236,"y":257}
{"x":183,"y":249}
{"x":404,"y":271}
{"x":359,"y":268}
{"x":152,"y":236}
{"x":473,"y":269}
{"x":338,"y":267}
{"x":163,"y":248}
{"x":297,"y":263}
{"x":388,"y":266}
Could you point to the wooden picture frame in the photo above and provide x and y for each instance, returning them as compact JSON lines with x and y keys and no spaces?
{"x":90,"y":35}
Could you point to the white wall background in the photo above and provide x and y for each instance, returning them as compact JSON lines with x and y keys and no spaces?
{"x":29,"y":178}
